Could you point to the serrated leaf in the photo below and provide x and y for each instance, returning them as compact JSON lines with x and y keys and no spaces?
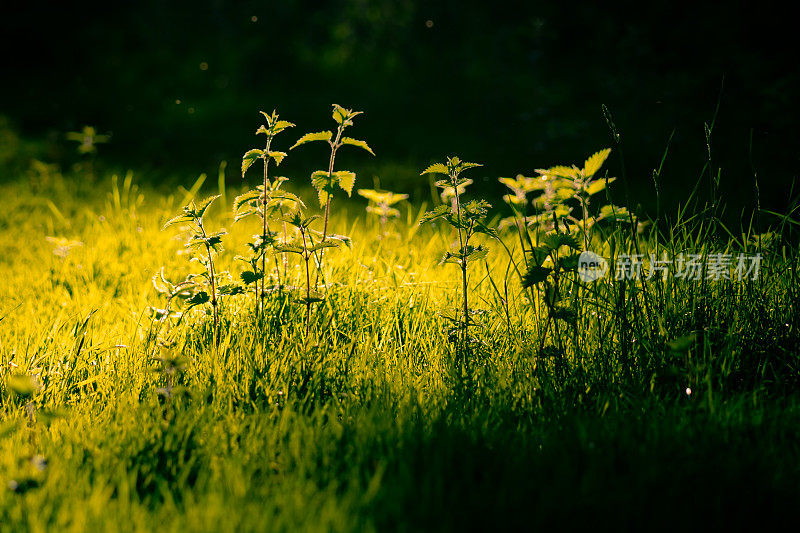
{"x":339,"y":113}
{"x":538,"y":254}
{"x":436,"y":168}
{"x":308,"y":220}
{"x":262,"y":129}
{"x":309,"y":137}
{"x":569,"y":262}
{"x":289,"y":249}
{"x":198,"y":298}
{"x":554,"y":241}
{"x":597,"y":186}
{"x":249,"y":158}
{"x":464,"y":165}
{"x":231,"y":289}
{"x":281,"y":125}
{"x":480,"y":227}
{"x":478,"y":253}
{"x":346,"y":180}
{"x":324,"y":244}
{"x":277,"y":157}
{"x":561,"y":171}
{"x":268,"y":117}
{"x":248,"y":276}
{"x":343,"y":239}
{"x":535,"y":275}
{"x":246,"y":197}
{"x":593,"y":164}
{"x":356,"y":142}
{"x":437,"y":212}
{"x":180,"y":219}
{"x":613,"y":212}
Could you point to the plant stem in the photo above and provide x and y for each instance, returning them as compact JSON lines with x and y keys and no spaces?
{"x":266,"y":227}
{"x":212,"y":279}
{"x":308,"y":283}
{"x":334,"y":146}
{"x":463,"y":242}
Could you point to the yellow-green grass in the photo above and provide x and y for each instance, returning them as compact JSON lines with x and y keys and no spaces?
{"x":369,"y":423}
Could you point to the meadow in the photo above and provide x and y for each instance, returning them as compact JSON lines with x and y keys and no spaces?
{"x":393,"y":364}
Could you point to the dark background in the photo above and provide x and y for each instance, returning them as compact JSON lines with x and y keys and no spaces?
{"x":514,"y":85}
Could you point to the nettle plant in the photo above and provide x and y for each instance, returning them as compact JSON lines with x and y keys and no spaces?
{"x":306,"y":248}
{"x":330,"y":182}
{"x":467,"y":218}
{"x":204,"y":287}
{"x":381,"y":205}
{"x":563,"y":189}
{"x":268,"y":202}
{"x":551,"y":256}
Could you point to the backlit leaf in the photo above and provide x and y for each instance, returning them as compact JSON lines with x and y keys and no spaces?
{"x":309,"y":137}
{"x":436,"y":168}
{"x":356,"y":142}
{"x":594,"y":163}
{"x":249,"y":158}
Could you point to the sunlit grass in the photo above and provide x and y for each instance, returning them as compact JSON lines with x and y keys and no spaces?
{"x":362,"y":424}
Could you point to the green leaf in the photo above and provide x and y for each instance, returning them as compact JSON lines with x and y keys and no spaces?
{"x":249,"y":158}
{"x":356,"y":142}
{"x":561,"y":171}
{"x":247,"y":197}
{"x":554,"y":241}
{"x":538,"y":254}
{"x":324,"y":244}
{"x":289,"y":249}
{"x":344,"y":116}
{"x":314,"y":298}
{"x":280,"y":126}
{"x":268,"y":117}
{"x":307,"y":221}
{"x":201,"y":208}
{"x":340,"y":114}
{"x":535,"y":275}
{"x":231,"y":289}
{"x":277,"y":156}
{"x":477,"y":253}
{"x":569,"y":262}
{"x":597,"y":186}
{"x":480,"y":227}
{"x":465,"y":165}
{"x":198,"y":299}
{"x":262,"y":129}
{"x":309,"y":137}
{"x":323,"y":183}
{"x":346,"y":180}
{"x":180,"y":219}
{"x":476,"y":208}
{"x":436,"y":168}
{"x":594,"y":163}
{"x":249,"y":276}
{"x":613,"y":212}
{"x":437,"y":212}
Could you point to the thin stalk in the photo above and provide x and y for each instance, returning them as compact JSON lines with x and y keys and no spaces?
{"x":212,"y":276}
{"x":306,"y":257}
{"x":265,"y":227}
{"x":334,"y":146}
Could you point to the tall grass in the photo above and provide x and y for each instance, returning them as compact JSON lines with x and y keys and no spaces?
{"x":665,"y":399}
